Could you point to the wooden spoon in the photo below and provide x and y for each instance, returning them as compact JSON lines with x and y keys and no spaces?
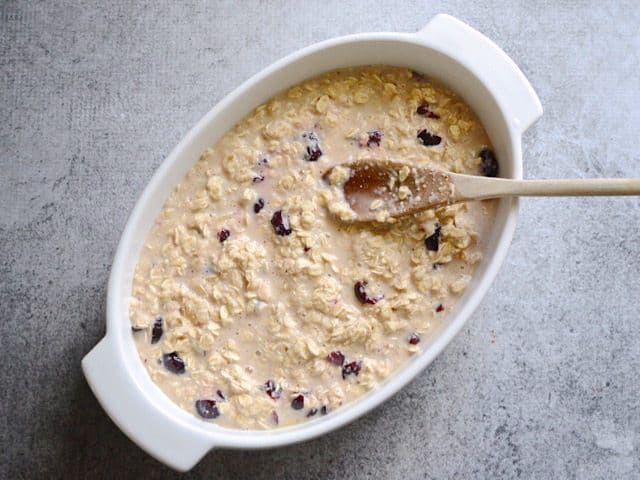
{"x":378,"y":190}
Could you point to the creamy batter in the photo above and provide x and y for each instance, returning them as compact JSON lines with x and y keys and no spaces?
{"x":253,"y":305}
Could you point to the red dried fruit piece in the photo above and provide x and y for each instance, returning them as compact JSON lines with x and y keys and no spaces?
{"x":207,"y":408}
{"x":298,"y":402}
{"x":352,"y":368}
{"x":489,"y":163}
{"x":337,"y":358}
{"x":440,"y":308}
{"x":272,"y":389}
{"x":428,"y":139}
{"x":280,"y":224}
{"x":313,"y":151}
{"x":414,"y":339}
{"x":432,"y":242}
{"x":313,"y":154}
{"x":375,"y":137}
{"x":423,"y":109}
{"x":259,"y":205}
{"x":173,"y":363}
{"x":157,"y":331}
{"x":223,"y":235}
{"x":360,"y":290}
{"x":312,"y":412}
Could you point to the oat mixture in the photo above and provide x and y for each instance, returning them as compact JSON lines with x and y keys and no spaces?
{"x":253,"y":305}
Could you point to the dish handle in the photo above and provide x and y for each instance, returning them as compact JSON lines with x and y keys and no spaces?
{"x":489,"y":63}
{"x":175,"y":445}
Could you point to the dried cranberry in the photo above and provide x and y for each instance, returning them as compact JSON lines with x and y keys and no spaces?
{"x":280,"y":224}
{"x":423,"y":109}
{"x":313,"y":154}
{"x":489,"y":163}
{"x":259,"y":205}
{"x":272,"y":389}
{"x":375,"y":137}
{"x":352,"y":368}
{"x":313,"y":151}
{"x":258,"y":178}
{"x":207,"y":408}
{"x":414,"y":339}
{"x":324,"y":410}
{"x":298,"y":402}
{"x":219,"y":392}
{"x":173,"y":363}
{"x":428,"y":139}
{"x":432,"y":242}
{"x":440,"y":308}
{"x":360,"y":290}
{"x":223,"y":235}
{"x":312,"y":412}
{"x":337,"y":358}
{"x":156,"y":331}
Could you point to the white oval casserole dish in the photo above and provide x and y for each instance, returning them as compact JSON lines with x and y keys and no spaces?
{"x":446,"y":50}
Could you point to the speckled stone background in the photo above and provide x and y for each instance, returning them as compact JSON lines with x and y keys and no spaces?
{"x":543,"y":383}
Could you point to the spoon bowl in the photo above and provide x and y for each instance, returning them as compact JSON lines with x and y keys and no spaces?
{"x":383,"y":190}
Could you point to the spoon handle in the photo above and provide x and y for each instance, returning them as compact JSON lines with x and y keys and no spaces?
{"x":478,"y":188}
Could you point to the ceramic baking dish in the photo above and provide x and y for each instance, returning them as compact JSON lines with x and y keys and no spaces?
{"x":446,"y":50}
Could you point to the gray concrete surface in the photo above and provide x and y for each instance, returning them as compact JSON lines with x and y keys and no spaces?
{"x":543,"y":383}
